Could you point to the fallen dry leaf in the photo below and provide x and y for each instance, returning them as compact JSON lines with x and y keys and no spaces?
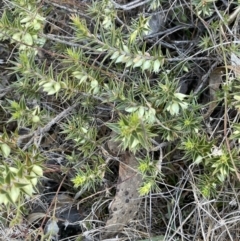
{"x":126,"y":201}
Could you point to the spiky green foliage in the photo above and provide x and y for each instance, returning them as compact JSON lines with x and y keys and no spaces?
{"x":116,"y":80}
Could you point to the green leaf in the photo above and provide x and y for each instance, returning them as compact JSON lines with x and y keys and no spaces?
{"x":180,"y":96}
{"x":146,"y":65}
{"x":198,"y":160}
{"x":37,"y":170}
{"x":83,"y":79}
{"x":236,"y":97}
{"x":48,"y":85}
{"x":138,"y":63}
{"x":28,"y":189}
{"x":115,"y":55}
{"x":126,"y":49}
{"x":57,"y":86}
{"x":36,"y":25}
{"x":34,"y":180}
{"x":3,"y":199}
{"x":35,"y":119}
{"x":5,"y":149}
{"x":94,"y":83}
{"x":131,"y":109}
{"x":77,"y":74}
{"x":14,"y":193}
{"x":8,"y":178}
{"x":114,"y":127}
{"x":17,"y":37}
{"x":26,"y":19}
{"x":134,"y":143}
{"x":185,"y":68}
{"x":20,"y":184}
{"x":27,"y":39}
{"x":173,"y":108}
{"x":156,"y":66}
{"x":133,"y":36}
{"x":141,"y":111}
{"x":129,"y":63}
{"x":120,"y":59}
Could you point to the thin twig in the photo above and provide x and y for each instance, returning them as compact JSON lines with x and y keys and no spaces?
{"x":54,"y":201}
{"x":71,"y":10}
{"x":47,"y":127}
{"x":204,"y":78}
{"x":131,"y":5}
{"x":168,"y":31}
